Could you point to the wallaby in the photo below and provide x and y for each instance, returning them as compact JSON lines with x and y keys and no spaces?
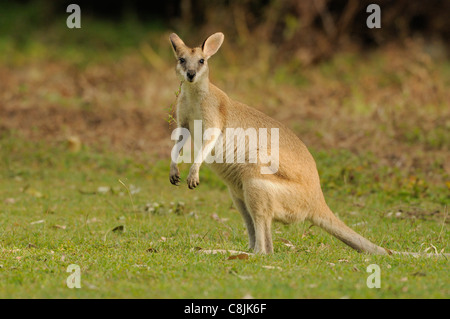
{"x":290,"y":194}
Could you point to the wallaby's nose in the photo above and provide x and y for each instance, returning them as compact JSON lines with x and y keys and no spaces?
{"x":190,"y":74}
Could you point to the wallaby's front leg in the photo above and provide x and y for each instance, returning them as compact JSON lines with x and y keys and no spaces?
{"x":193,"y":179}
{"x":174,"y":173}
{"x":181,"y":140}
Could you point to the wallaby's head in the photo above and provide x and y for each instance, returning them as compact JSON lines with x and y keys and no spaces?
{"x":193,"y":62}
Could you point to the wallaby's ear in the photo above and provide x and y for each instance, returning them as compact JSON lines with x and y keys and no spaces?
{"x":176,"y":42}
{"x":212,"y":44}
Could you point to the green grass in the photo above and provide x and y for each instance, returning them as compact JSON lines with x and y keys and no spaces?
{"x":156,"y":257}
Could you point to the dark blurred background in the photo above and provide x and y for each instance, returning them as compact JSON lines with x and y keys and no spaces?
{"x":317,"y":28}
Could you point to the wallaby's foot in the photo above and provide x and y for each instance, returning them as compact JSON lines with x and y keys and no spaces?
{"x":175,"y":176}
{"x":193,"y":180}
{"x":264,"y":250}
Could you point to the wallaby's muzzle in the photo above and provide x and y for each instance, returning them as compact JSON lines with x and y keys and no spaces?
{"x":190,"y":75}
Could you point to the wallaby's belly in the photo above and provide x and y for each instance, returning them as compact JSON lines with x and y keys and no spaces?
{"x":293,"y":164}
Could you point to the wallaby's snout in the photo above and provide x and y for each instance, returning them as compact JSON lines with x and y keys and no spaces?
{"x":190,"y":75}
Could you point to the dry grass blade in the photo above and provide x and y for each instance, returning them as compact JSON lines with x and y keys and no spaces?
{"x":271,"y":267}
{"x":38,"y":222}
{"x":287,"y":243}
{"x":220,"y":251}
{"x":129,"y":194}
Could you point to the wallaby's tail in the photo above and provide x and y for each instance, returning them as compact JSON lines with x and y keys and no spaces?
{"x":341,"y":231}
{"x":338,"y":229}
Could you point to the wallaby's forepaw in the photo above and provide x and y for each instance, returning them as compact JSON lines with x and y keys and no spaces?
{"x":175,"y":177}
{"x":193,"y":180}
{"x":175,"y":180}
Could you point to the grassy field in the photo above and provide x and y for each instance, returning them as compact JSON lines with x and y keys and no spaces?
{"x":133,"y":234}
{"x":377,"y":124}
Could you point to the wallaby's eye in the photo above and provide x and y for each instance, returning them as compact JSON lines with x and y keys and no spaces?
{"x":181,"y":60}
{"x":201,"y":61}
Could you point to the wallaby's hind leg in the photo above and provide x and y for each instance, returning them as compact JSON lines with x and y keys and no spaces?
{"x":263,"y":235}
{"x":259,"y":207}
{"x":241,"y":207}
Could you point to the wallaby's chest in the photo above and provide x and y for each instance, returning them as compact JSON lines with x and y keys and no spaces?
{"x":189,"y":110}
